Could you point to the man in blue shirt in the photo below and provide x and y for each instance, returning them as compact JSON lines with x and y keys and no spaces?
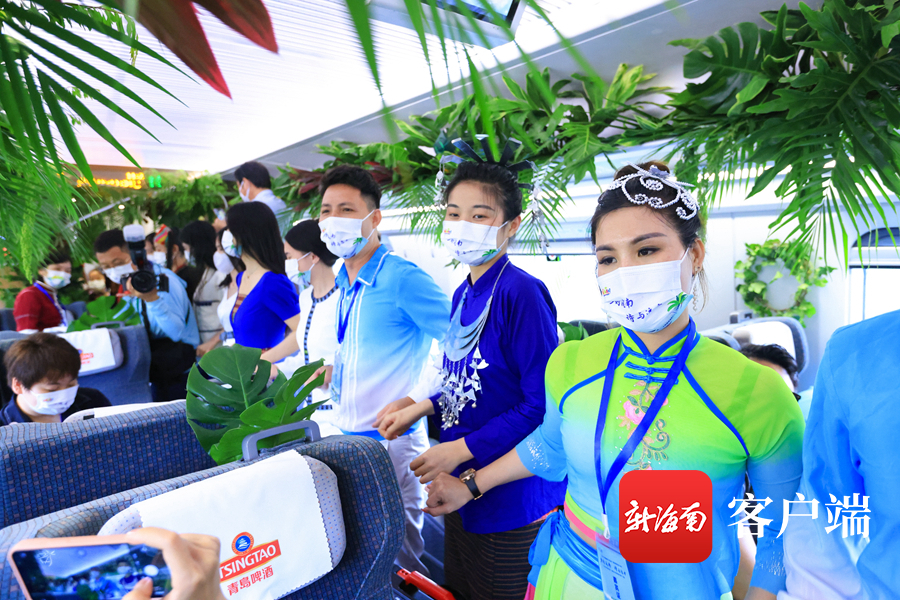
{"x":165,"y":311}
{"x":850,"y":467}
{"x":388,"y":314}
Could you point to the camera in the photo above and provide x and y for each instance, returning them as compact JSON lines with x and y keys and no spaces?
{"x":144,"y":279}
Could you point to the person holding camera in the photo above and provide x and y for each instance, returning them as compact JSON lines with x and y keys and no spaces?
{"x":161,"y":299}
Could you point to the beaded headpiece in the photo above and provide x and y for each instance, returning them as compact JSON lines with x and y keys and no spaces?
{"x":470,"y":155}
{"x":655,"y":180}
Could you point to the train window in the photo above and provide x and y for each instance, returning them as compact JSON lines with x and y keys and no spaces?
{"x":572,"y":282}
{"x":875,"y":279}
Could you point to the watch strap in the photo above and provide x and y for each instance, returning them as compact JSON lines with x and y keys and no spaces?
{"x":470,"y":483}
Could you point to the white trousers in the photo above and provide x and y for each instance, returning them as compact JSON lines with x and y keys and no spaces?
{"x":402,"y":452}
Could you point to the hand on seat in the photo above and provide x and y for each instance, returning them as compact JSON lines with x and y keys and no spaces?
{"x":193,"y":561}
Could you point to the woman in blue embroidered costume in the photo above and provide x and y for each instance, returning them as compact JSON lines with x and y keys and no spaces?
{"x":651,"y":395}
{"x":489,"y":394}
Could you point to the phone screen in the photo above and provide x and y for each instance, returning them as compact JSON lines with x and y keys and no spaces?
{"x":91,"y":572}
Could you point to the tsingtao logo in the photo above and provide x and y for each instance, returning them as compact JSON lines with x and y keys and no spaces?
{"x":665,"y":516}
{"x":242,"y":543}
{"x":248,"y":557}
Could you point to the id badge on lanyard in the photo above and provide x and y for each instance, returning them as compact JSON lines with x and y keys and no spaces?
{"x":614,"y":572}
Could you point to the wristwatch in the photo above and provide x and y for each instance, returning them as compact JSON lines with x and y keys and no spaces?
{"x":468,"y":478}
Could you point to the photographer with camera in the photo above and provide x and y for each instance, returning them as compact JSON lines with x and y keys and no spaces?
{"x":161,"y":299}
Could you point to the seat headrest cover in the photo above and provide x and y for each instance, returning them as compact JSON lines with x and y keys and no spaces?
{"x":106,"y":411}
{"x":269,"y":516}
{"x":100,"y":349}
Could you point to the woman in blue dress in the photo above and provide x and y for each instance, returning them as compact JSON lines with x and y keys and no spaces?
{"x":491,"y":393}
{"x":267,"y":301}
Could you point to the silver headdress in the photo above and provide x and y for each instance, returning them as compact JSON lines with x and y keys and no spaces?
{"x":655,"y":180}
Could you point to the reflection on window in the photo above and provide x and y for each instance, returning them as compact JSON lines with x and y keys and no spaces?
{"x":875,"y":280}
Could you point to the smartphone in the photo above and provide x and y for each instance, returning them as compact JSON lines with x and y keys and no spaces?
{"x":86,"y":568}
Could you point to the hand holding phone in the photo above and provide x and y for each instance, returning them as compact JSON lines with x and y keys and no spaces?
{"x":193,"y":561}
{"x":142,"y":564}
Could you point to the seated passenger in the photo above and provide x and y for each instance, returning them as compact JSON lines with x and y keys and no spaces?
{"x":42,"y":371}
{"x":777,"y":358}
{"x":37,"y":307}
{"x":96,"y":284}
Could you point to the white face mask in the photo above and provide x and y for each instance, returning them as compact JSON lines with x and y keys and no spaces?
{"x":158,"y":258}
{"x":116,"y":273}
{"x":646,"y":298}
{"x":57,"y":279}
{"x":292,"y":269}
{"x":343,"y":236}
{"x":228,"y":244}
{"x":97,"y":285}
{"x":53,"y":403}
{"x":471,"y":243}
{"x":222,"y":262}
{"x":245,"y":196}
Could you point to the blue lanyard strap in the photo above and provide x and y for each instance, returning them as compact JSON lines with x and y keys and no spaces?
{"x":648,"y":418}
{"x":344,"y":319}
{"x":56,"y":304}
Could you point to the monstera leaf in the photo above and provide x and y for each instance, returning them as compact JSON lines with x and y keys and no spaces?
{"x":230,"y":396}
{"x":573,"y":332}
{"x":104,"y":310}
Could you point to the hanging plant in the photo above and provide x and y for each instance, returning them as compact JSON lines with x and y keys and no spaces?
{"x":559,"y":129}
{"x":797,"y":258}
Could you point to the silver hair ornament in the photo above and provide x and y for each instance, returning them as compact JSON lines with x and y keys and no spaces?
{"x":655,"y":180}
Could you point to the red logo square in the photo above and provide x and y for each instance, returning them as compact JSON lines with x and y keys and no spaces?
{"x":665,"y":516}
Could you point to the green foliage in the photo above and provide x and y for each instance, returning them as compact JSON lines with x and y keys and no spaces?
{"x":230,"y":397}
{"x":45,"y":85}
{"x":182,"y":199}
{"x":549,"y":118}
{"x":810,"y":105}
{"x":104,"y":310}
{"x":797,"y":259}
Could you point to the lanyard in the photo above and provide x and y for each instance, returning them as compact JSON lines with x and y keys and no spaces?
{"x":344,"y":320}
{"x":648,"y":418}
{"x":56,"y":304}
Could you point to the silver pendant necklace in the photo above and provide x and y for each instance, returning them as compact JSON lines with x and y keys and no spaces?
{"x":461,"y":381}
